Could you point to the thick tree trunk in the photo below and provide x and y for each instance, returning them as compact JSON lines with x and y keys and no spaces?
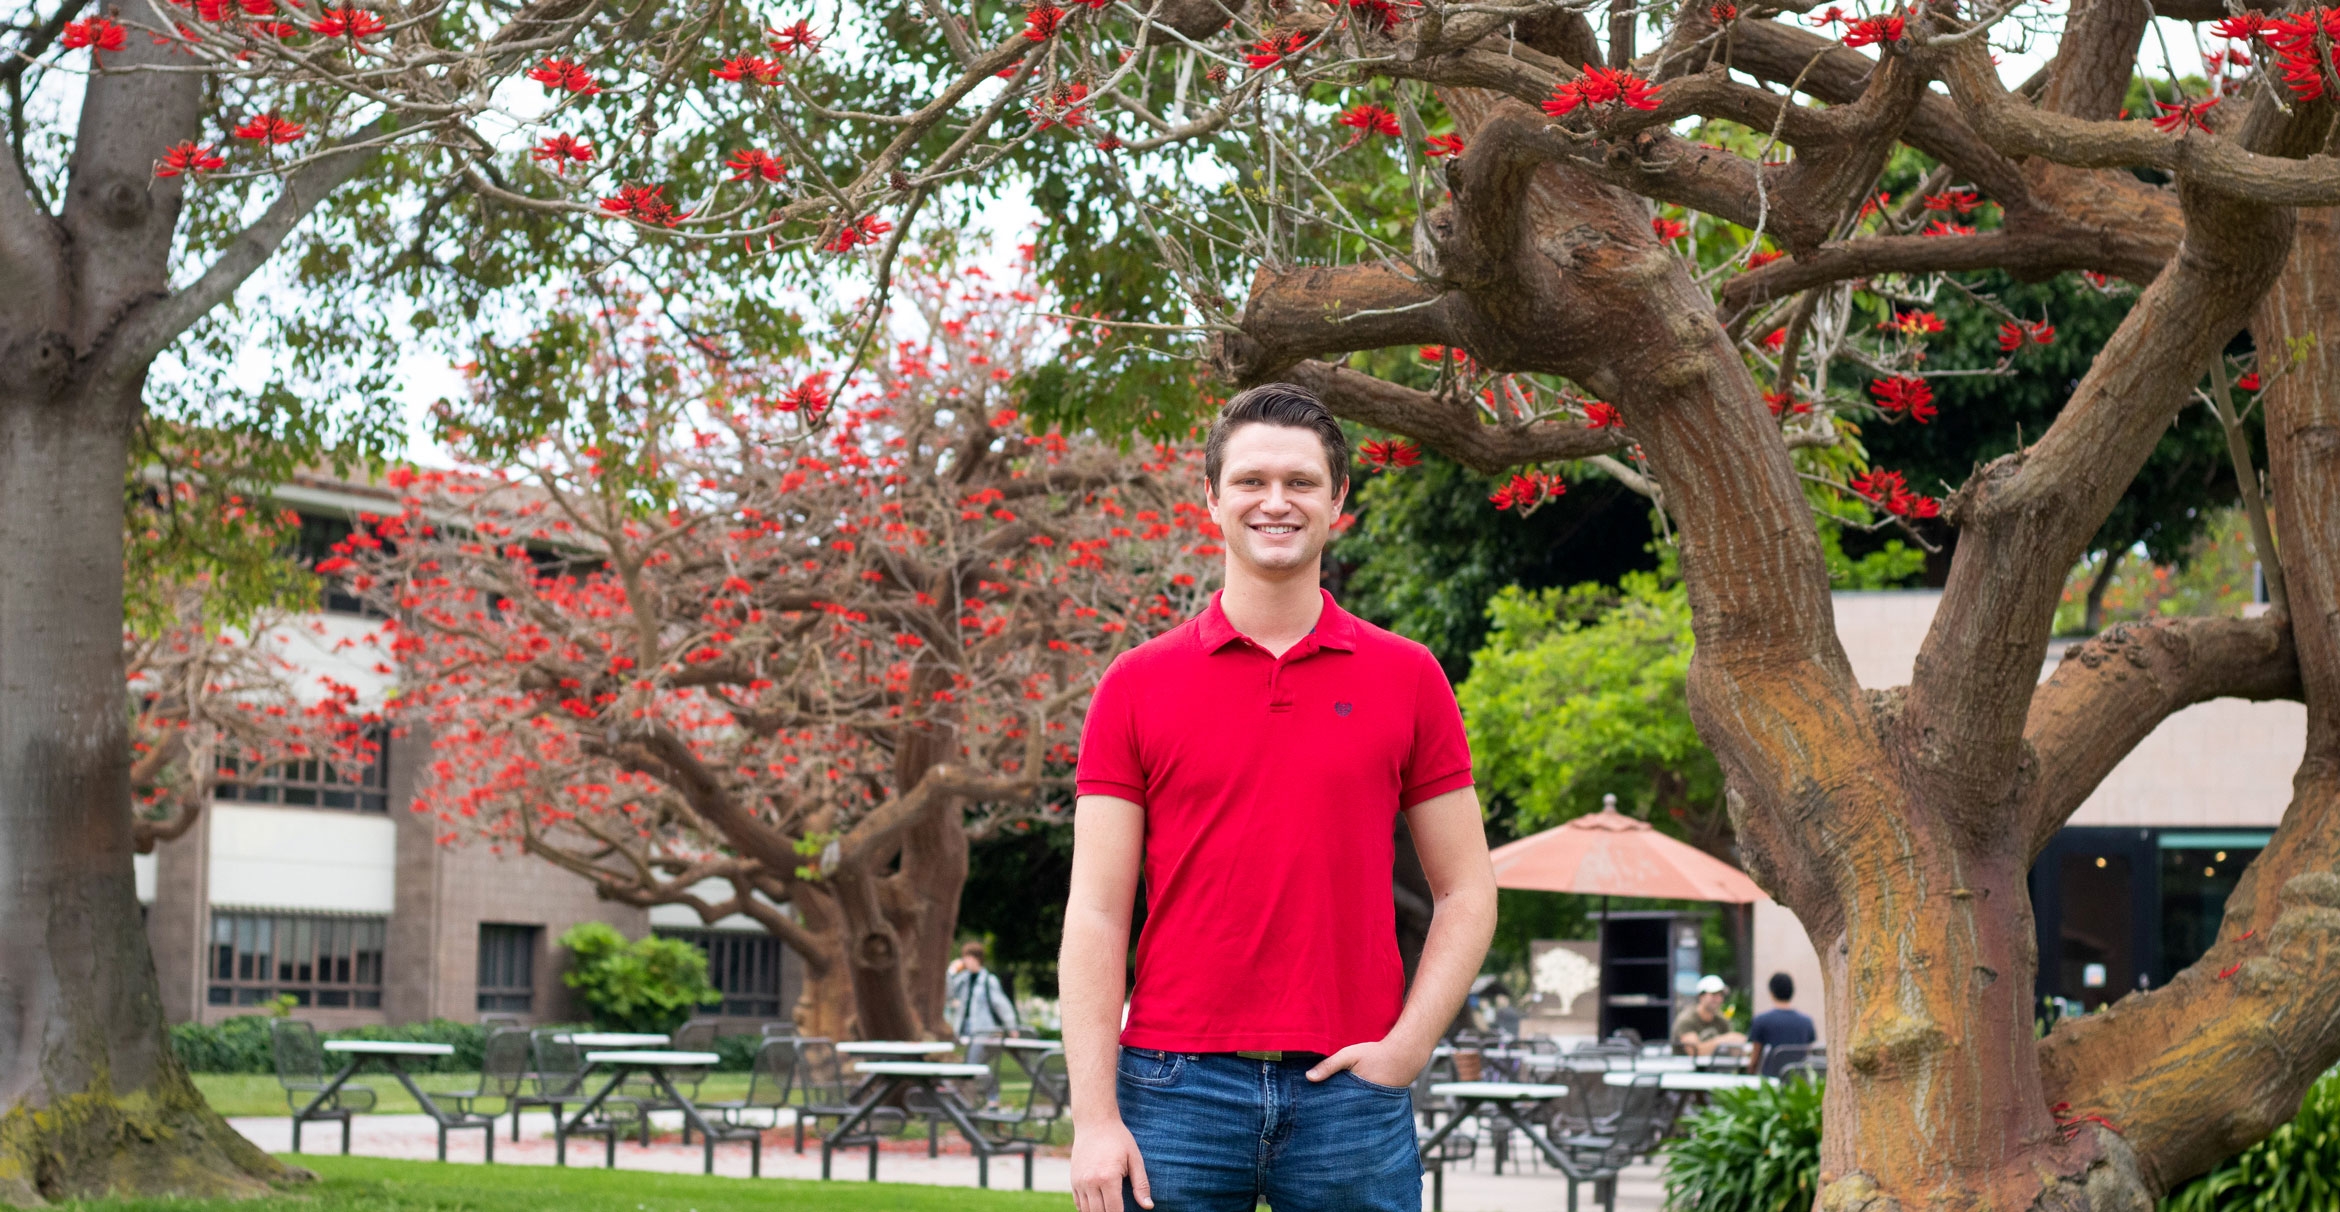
{"x":925,"y":894}
{"x":825,"y":1008}
{"x":876,"y":955}
{"x":95,"y":1102}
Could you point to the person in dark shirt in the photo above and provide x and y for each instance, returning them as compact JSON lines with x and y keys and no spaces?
{"x":1780,"y":1034}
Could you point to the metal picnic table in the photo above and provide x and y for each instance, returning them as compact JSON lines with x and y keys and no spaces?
{"x":1500,"y":1101}
{"x":392,"y":1055}
{"x":889,"y":1080}
{"x":653,"y":1064}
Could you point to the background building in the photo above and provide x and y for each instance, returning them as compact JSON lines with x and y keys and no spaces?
{"x":299,"y":883}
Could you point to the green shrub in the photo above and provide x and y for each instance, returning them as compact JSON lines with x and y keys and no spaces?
{"x":240,"y":1044}
{"x":1754,"y":1150}
{"x":650,"y":984}
{"x":2296,"y":1167}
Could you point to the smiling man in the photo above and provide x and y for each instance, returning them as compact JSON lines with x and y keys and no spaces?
{"x":1252,"y":763}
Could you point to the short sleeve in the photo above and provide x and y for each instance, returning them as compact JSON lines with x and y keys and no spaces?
{"x":1109,"y":763}
{"x":1760,"y":1031}
{"x":1440,"y":760}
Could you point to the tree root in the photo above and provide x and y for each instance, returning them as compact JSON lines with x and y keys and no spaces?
{"x":161,"y":1141}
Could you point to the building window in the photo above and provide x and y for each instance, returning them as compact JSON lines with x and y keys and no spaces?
{"x":309,"y":782}
{"x":313,"y":546}
{"x":507,"y":967}
{"x":314,"y":959}
{"x":744,"y":968}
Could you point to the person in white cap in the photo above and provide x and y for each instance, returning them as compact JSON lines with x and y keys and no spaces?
{"x":1703,"y":1027}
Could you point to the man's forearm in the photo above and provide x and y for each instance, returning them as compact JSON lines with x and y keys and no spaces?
{"x":1461,"y":925}
{"x":1089,"y":988}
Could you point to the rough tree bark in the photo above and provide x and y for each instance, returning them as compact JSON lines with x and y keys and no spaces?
{"x":92,"y":1101}
{"x":1900,"y":824}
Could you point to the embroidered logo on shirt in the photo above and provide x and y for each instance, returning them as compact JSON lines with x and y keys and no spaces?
{"x":1343,"y":708}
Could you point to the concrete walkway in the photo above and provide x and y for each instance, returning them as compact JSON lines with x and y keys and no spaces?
{"x":1469,"y":1188}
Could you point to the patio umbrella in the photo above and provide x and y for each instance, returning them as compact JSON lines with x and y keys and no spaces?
{"x":1610,"y":854}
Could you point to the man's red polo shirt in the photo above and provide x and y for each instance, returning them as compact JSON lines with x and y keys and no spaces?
{"x":1271,"y":788}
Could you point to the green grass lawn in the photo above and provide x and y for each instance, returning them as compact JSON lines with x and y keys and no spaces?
{"x":365,"y":1184}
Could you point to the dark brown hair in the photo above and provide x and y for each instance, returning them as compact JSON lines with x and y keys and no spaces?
{"x":1277,"y":404}
{"x":973,"y":951}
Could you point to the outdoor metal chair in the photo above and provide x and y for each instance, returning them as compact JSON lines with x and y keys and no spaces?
{"x":771,"y":1080}
{"x":697,"y":1035}
{"x":1811,"y":1067}
{"x":822,"y":1078}
{"x":300,"y":1069}
{"x":503,"y":1071}
{"x":1726,"y":1058}
{"x":1026,"y":1129}
{"x":776,"y":1030}
{"x":560,"y":1082}
{"x":1598,"y":1157}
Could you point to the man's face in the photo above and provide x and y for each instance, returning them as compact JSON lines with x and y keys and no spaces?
{"x":1710,"y":1004}
{"x":1275,"y":500}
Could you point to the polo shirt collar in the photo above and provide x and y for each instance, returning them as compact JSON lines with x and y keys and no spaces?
{"x":1335,"y":628}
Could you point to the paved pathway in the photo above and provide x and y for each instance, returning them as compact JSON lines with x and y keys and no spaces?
{"x":414,"y":1137}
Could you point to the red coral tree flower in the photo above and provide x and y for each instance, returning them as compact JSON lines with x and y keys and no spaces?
{"x":642,"y":204}
{"x":562,"y":75}
{"x":1943,"y":227}
{"x":1067,"y":107}
{"x":1669,"y":229}
{"x":742,"y":69}
{"x":1042,"y":21}
{"x":862,"y":231}
{"x":190,"y":159}
{"x":1722,"y":14}
{"x":268,"y":128}
{"x":1963,"y":200}
{"x":810,"y":397}
{"x":1443,"y":353}
{"x":750,"y":164}
{"x":1868,"y":31}
{"x":1889,"y":491}
{"x":1393,"y":455}
{"x":1274,"y":49}
{"x":1526,"y":490}
{"x":351,"y":23}
{"x":1599,"y":414}
{"x":561,"y":149}
{"x":794,"y":38}
{"x":1367,"y":119}
{"x":1905,"y":396}
{"x":97,"y":33}
{"x":1442,"y":145}
{"x":1602,"y":86}
{"x":1913,"y":323}
{"x":2249,"y":382}
{"x":2176,"y":118}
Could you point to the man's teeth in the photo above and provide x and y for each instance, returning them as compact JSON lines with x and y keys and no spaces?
{"x":1278,"y":529}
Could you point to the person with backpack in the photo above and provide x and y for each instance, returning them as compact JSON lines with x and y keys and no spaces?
{"x":978,"y":1003}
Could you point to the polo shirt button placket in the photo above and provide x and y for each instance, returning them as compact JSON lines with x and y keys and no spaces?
{"x":1277,"y":700}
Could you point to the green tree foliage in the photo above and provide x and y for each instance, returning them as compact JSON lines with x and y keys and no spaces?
{"x":2185,"y":481}
{"x":1428,"y":553}
{"x":1580,"y":693}
{"x":649,"y":984}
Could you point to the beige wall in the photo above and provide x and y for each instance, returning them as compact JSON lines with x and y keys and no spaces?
{"x":1782,"y":946}
{"x":2221,"y":764}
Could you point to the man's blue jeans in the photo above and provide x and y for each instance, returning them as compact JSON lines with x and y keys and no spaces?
{"x":1223,"y":1134}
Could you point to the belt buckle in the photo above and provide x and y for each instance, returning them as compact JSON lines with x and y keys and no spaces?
{"x":1260,"y":1056}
